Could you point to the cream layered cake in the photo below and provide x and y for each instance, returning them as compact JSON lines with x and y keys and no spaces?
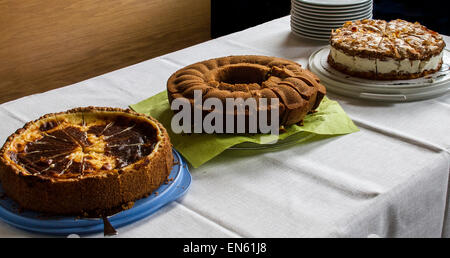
{"x":381,"y":50}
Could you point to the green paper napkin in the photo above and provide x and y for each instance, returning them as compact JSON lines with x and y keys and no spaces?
{"x":330,"y":119}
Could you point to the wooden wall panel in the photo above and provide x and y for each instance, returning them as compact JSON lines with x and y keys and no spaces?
{"x":53,"y":43}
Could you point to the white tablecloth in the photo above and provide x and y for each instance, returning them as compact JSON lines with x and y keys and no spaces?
{"x":389,"y":179}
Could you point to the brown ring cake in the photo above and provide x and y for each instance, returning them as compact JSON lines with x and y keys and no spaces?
{"x":299,"y":91}
{"x":85,"y":161}
{"x":380,"y":50}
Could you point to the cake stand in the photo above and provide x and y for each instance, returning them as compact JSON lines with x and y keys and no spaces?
{"x":427,"y":87}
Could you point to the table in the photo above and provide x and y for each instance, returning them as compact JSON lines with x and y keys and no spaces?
{"x":389,"y":179}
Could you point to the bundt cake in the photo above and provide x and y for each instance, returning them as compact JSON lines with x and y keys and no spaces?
{"x":380,"y":50}
{"x":298,"y":90}
{"x":90,"y":160}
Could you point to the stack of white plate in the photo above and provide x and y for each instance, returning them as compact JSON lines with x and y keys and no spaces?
{"x":315,"y":19}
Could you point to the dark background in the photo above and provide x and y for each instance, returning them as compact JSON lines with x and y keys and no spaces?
{"x":228,"y":16}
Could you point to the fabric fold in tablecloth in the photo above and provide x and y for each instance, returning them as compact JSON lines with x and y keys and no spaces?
{"x":330,"y":119}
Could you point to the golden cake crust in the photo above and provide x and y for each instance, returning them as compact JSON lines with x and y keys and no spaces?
{"x":299,"y":91}
{"x":107,"y":179}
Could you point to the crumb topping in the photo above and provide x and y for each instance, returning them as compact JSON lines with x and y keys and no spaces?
{"x":396,"y":39}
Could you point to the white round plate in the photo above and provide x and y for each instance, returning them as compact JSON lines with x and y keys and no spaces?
{"x":309,"y":37}
{"x":325,"y":18}
{"x":313,"y":35}
{"x":309,"y":26}
{"x":315,"y":25}
{"x":319,"y":30}
{"x":311,"y":32}
{"x":319,"y":38}
{"x":332,"y":3}
{"x":395,"y":90}
{"x":330,"y":11}
{"x":327,"y":23}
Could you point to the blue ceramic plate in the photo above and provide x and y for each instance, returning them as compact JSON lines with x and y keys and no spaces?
{"x":63,"y":225}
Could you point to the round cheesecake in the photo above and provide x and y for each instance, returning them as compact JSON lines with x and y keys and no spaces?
{"x":85,"y":161}
{"x":381,"y":50}
{"x":297,"y":90}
